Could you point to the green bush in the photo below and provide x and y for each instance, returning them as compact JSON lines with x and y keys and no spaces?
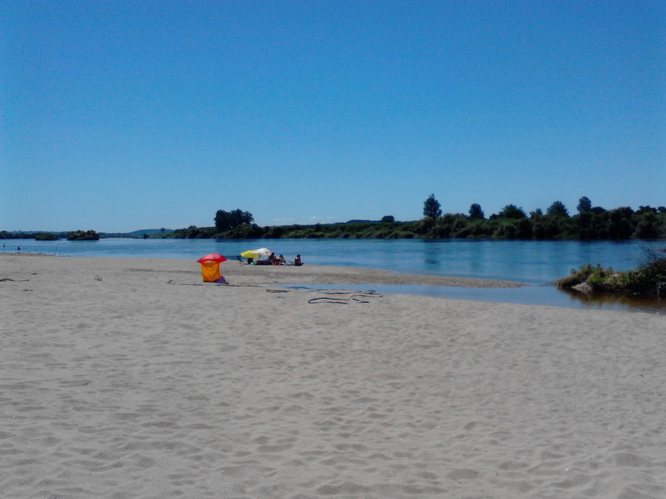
{"x":648,"y":279}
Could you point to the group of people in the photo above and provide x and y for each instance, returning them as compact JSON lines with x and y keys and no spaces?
{"x":276,"y":260}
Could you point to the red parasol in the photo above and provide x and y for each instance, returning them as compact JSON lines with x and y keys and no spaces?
{"x":212,"y":257}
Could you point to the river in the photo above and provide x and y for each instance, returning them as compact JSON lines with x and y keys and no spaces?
{"x":536,"y":263}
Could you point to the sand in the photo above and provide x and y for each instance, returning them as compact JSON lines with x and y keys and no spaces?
{"x":129,"y":378}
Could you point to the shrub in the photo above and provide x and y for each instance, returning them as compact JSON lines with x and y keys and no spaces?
{"x":648,"y":279}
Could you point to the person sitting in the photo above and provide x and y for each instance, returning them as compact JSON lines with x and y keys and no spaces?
{"x":297,"y":261}
{"x":281,"y":260}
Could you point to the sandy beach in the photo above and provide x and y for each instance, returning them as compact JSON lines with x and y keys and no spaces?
{"x":130,"y":378}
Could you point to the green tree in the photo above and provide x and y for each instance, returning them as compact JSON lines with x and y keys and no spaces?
{"x":475,"y":212}
{"x":645,"y":209}
{"x":621,"y":226}
{"x":511,"y":211}
{"x":648,"y":226}
{"x":557,"y":209}
{"x":228,"y":220}
{"x":431,"y":207}
{"x":584,"y":205}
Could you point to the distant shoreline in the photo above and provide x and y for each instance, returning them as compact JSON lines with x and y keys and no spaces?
{"x":590,"y":223}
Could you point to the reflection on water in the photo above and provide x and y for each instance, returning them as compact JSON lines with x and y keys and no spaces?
{"x":617,"y":301}
{"x":432,"y":263}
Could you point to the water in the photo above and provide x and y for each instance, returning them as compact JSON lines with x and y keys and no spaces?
{"x":532,"y":262}
{"x":536,"y":263}
{"x":528,"y":295}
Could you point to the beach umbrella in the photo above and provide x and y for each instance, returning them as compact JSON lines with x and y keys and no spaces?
{"x":212,"y":257}
{"x":256,"y":253}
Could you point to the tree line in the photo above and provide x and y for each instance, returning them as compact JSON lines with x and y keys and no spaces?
{"x":511,"y":222}
{"x":77,"y":235}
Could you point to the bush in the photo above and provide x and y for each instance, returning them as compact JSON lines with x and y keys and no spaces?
{"x":648,"y":279}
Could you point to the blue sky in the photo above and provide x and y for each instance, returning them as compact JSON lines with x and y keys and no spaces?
{"x":125,"y":115}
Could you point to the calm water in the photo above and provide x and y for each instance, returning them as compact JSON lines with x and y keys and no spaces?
{"x":537,"y":263}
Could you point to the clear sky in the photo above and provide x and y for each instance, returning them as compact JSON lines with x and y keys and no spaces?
{"x":123,"y":115}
